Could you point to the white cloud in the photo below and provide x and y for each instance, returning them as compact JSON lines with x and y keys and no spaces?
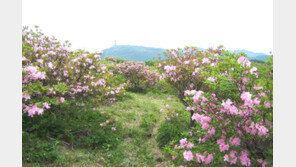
{"x":94,"y":25}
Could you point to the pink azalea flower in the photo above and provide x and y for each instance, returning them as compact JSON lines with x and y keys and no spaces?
{"x":205,"y":126}
{"x":267,"y":104}
{"x":241,"y":59}
{"x":226,"y":158}
{"x":244,"y":61}
{"x":186,"y":62}
{"x":234,"y":141}
{"x":190,"y":145}
{"x":264,"y":163}
{"x":253,"y":70}
{"x":26,"y":97}
{"x":195,"y":117}
{"x":188,"y":156}
{"x":262,"y":130}
{"x":167,"y":106}
{"x":212,"y":79}
{"x":35,"y":110}
{"x":244,"y":80}
{"x":233,"y":157}
{"x":211,"y":131}
{"x":245,"y":161}
{"x":40,"y":61}
{"x":189,"y":92}
{"x":183,"y":142}
{"x":200,"y":158}
{"x":226,"y":104}
{"x":197,"y":96}
{"x":62,"y":99}
{"x":46,"y":105}
{"x":24,"y":59}
{"x":258,"y":88}
{"x":224,"y":147}
{"x":256,"y":101}
{"x":209,"y":159}
{"x":174,"y":157}
{"x":205,"y":60}
{"x":247,"y":97}
{"x":169,"y":68}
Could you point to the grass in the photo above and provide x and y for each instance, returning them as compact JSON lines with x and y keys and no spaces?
{"x":140,"y":116}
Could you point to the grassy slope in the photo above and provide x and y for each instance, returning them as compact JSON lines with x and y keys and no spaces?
{"x":140,"y":115}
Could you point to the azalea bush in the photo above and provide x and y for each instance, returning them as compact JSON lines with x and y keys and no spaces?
{"x":53,"y":74}
{"x":182,"y":69}
{"x":114,"y":59}
{"x":139,"y":75}
{"x":62,"y":91}
{"x":232,"y":111}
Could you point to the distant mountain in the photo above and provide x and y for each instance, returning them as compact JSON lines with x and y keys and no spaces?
{"x":135,"y":53}
{"x":253,"y":55}
{"x":141,"y":53}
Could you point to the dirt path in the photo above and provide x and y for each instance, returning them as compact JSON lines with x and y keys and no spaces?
{"x":146,"y":120}
{"x":141,"y":117}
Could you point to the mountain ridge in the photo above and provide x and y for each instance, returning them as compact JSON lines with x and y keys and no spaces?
{"x":143,"y":53}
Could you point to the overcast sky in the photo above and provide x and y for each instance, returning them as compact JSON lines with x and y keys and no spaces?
{"x":95,"y":24}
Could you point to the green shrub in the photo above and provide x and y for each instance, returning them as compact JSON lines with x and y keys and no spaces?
{"x":152,"y":62}
{"x":114,"y":59}
{"x":36,"y":150}
{"x":171,"y":130}
{"x":78,"y":126}
{"x":162,"y":87}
